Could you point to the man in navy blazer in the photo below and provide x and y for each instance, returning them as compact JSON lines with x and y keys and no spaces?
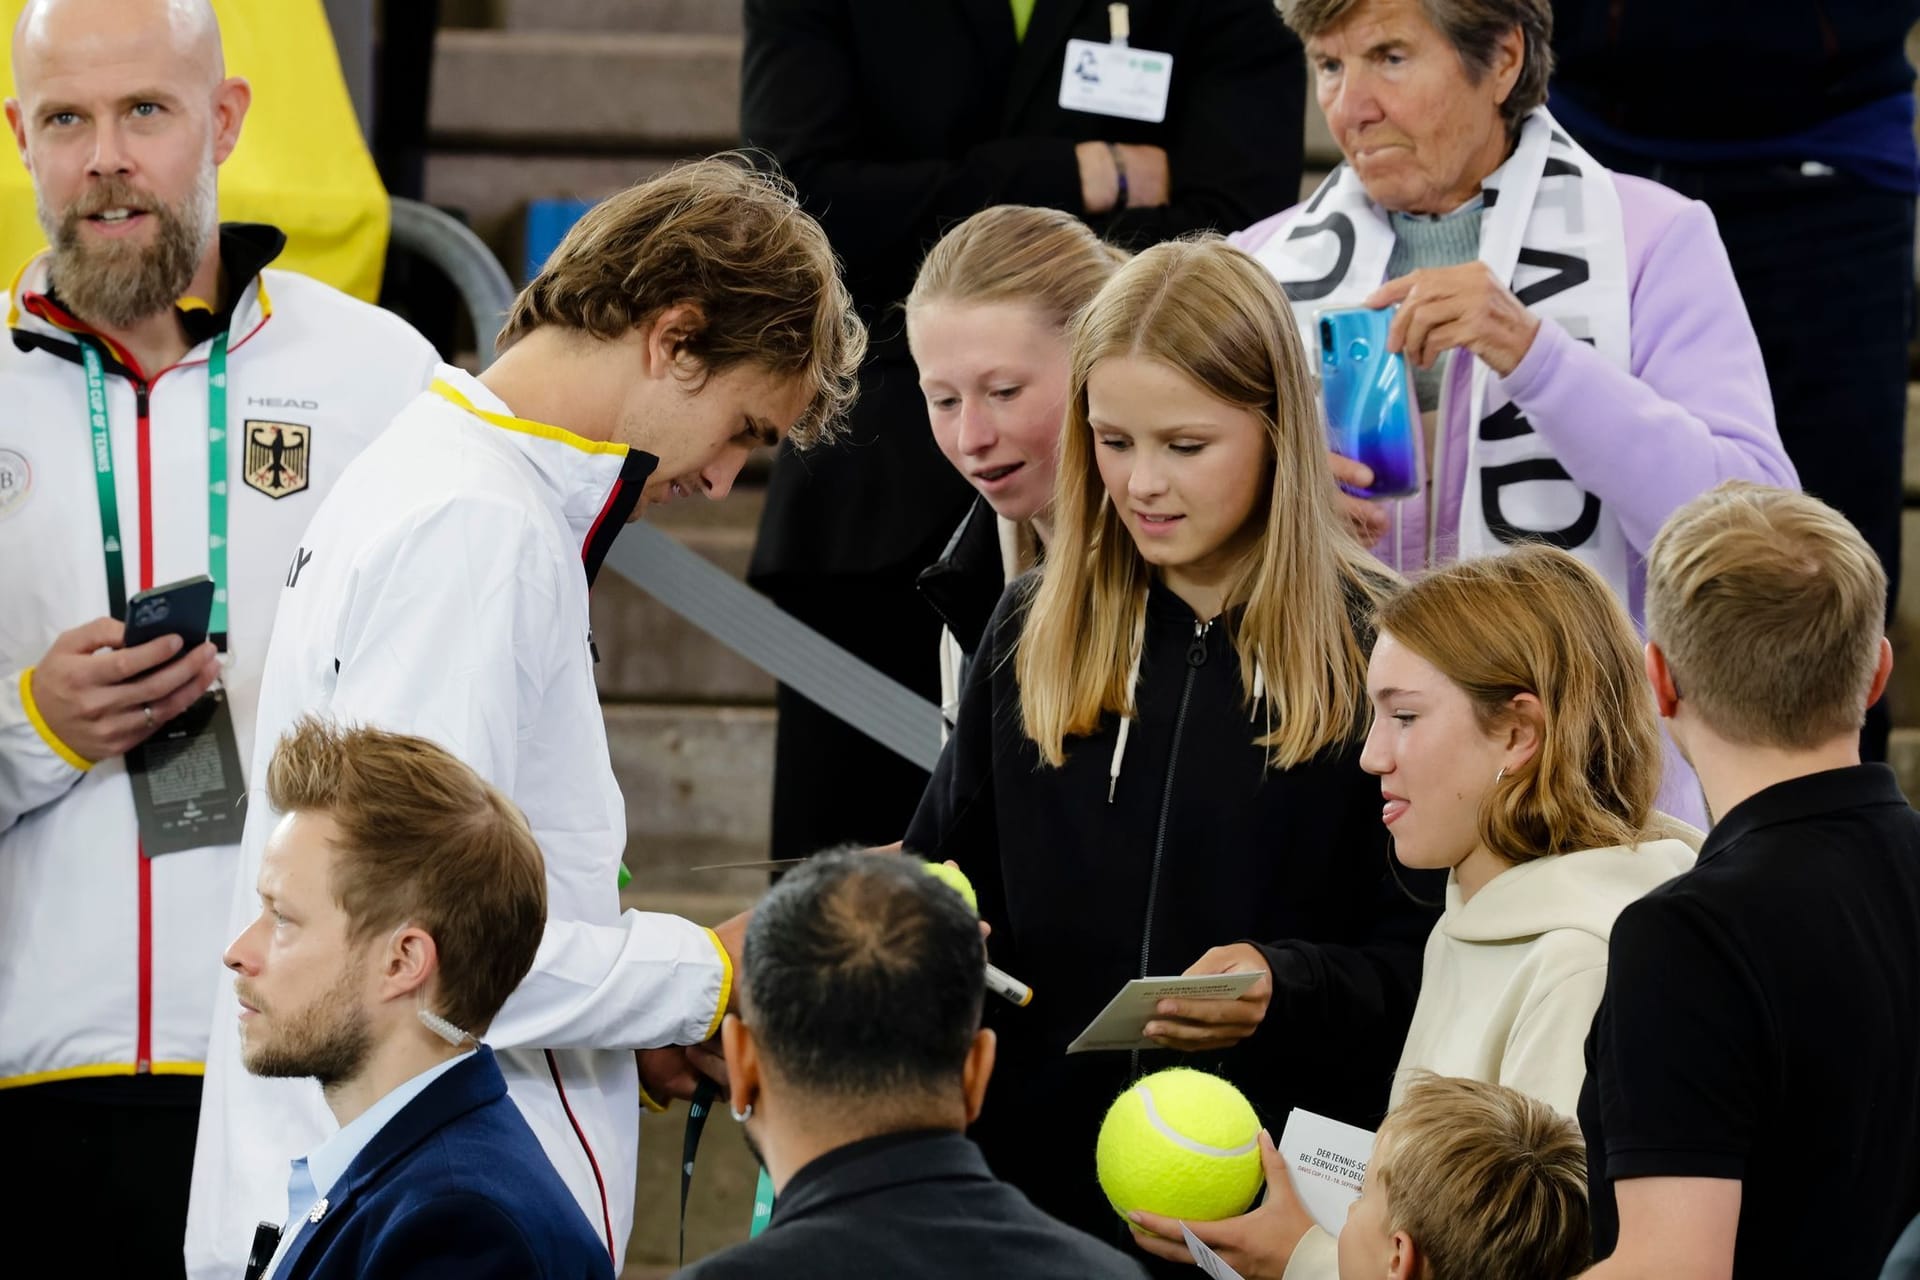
{"x":402,"y":900}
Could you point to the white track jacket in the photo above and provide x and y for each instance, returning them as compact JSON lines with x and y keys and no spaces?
{"x":108,"y":961}
{"x":442,"y":591}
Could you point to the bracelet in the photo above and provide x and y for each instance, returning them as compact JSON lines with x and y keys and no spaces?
{"x":1120,"y":176}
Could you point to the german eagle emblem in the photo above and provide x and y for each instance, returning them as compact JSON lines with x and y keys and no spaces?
{"x":277,"y":457}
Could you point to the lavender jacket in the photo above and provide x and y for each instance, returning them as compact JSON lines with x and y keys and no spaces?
{"x":1694,"y":410}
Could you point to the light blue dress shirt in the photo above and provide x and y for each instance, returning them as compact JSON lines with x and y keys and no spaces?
{"x":314,"y":1176}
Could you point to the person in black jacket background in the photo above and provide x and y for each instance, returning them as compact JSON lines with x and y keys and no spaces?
{"x":896,"y":120}
{"x":1793,"y":121}
{"x":1156,"y":770}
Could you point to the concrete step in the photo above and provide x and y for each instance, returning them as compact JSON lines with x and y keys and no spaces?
{"x":1904,"y":688}
{"x":647,"y":652}
{"x":683,"y":17}
{"x":698,"y":785}
{"x":493,"y":188}
{"x":618,"y":92}
{"x":1903,"y":753}
{"x":1911,"y":477}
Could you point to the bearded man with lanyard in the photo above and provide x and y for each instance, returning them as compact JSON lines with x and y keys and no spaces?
{"x":1583,"y":360}
{"x":169,"y":407}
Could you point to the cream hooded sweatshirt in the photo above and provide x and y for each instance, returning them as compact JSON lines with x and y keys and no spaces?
{"x":1512,"y":977}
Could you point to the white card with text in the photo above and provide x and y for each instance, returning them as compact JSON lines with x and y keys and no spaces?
{"x":1118,"y":1026}
{"x":1328,"y":1160}
{"x":1113,"y":80}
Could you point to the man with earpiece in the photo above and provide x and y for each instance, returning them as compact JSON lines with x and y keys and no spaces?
{"x":402,"y":899}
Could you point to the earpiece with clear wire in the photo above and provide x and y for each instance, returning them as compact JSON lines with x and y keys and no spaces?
{"x":434,"y":1022}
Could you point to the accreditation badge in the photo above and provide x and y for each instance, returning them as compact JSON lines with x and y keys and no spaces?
{"x":1113,"y":80}
{"x":187,"y":789}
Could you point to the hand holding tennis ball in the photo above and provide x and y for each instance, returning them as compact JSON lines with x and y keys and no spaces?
{"x":1181,"y":1143}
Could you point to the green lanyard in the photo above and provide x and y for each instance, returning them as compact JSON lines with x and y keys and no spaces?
{"x":216,"y":482}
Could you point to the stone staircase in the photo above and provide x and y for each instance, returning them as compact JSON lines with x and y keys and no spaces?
{"x":536,"y":99}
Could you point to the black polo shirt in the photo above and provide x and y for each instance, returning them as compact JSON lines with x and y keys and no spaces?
{"x":1762,"y":1022}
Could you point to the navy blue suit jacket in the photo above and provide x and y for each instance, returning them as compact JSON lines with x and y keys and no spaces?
{"x":454,"y":1186}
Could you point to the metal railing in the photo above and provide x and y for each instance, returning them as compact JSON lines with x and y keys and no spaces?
{"x":460,"y":255}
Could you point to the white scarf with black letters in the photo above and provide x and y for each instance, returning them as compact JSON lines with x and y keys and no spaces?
{"x":1552,"y":230}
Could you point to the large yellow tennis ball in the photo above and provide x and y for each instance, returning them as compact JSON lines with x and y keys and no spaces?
{"x":956,"y":879}
{"x":1181,"y":1143}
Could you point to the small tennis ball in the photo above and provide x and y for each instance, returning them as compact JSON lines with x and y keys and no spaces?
{"x":956,"y":879}
{"x":1180,"y":1143}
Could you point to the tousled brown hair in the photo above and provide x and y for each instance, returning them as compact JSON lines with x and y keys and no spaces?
{"x":732,"y":241}
{"x":422,"y":839}
{"x":1045,"y":258}
{"x":1536,"y":620}
{"x":1473,"y":27}
{"x":1491,"y":1184}
{"x":1770,"y":609}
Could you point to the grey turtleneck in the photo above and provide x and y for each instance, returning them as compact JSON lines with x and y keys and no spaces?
{"x":1444,"y":241}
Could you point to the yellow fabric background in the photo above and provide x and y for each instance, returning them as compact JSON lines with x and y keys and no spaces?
{"x":301,"y":163}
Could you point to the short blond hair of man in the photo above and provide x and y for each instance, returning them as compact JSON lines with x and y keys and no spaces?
{"x":1489,"y":1183}
{"x":1770,"y":608}
{"x":421,"y":838}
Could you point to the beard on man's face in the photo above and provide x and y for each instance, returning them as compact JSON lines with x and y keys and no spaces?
{"x":328,"y":1040}
{"x":120,"y":283}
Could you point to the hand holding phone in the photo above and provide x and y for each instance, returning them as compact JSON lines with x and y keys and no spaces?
{"x":101,"y":699}
{"x":182,"y":609}
{"x":1373,"y":416}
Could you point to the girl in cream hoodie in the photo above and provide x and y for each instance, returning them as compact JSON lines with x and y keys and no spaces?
{"x":1515,"y":743}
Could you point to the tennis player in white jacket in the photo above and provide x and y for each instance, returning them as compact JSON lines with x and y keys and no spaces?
{"x":442,"y":591}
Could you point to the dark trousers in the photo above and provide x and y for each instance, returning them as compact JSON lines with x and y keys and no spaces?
{"x":98,"y":1173}
{"x":831,"y":783}
{"x":1825,"y":264}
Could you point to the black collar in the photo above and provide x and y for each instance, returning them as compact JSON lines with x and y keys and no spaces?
{"x":1797,"y":799}
{"x":873,"y":1164}
{"x":965,"y":583}
{"x":245,"y":250}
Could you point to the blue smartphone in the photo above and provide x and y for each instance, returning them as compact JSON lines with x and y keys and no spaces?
{"x":1373,"y":414}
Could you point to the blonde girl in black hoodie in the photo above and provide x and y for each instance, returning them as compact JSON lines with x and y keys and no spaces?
{"x":1156,"y":765}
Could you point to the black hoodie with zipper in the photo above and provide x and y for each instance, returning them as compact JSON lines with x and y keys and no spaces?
{"x":1202,"y":844}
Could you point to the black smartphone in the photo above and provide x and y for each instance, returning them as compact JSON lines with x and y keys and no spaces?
{"x":182,"y":608}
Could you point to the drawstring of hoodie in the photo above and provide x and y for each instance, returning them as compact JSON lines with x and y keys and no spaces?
{"x":1259,"y":695}
{"x":1126,"y":716}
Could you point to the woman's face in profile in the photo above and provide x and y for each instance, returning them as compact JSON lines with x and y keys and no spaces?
{"x":995,"y":378}
{"x":1435,"y":761}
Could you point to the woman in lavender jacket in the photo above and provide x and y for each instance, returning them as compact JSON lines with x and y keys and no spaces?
{"x":1584,"y":362}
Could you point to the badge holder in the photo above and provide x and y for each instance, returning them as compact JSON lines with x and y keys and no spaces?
{"x":1115,"y":79}
{"x":188,"y":791}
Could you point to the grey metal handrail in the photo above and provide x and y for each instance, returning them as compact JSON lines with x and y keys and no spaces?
{"x":464,"y":259}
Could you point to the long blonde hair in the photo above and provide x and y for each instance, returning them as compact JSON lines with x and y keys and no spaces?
{"x":1213,"y":314}
{"x":1536,"y":620}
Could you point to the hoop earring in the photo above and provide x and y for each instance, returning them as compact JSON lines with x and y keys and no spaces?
{"x":1500,"y":776}
{"x":741,"y":1117}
